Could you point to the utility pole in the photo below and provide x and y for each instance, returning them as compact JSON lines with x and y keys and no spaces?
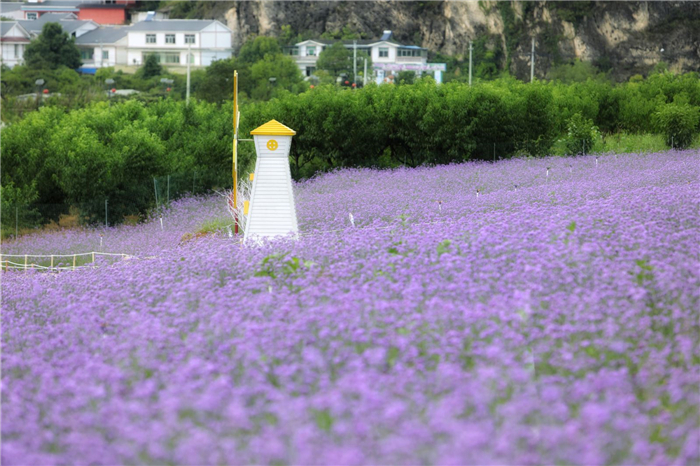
{"x":354,"y":61}
{"x":189,"y":54}
{"x":364,"y":76}
{"x":470,"y":62}
{"x":532,"y":62}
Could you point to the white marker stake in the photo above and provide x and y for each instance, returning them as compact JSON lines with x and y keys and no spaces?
{"x":352,"y":219}
{"x":596,"y":161}
{"x":439,"y":206}
{"x":161,"y":223}
{"x":100,"y":241}
{"x":570,"y":168}
{"x":547,"y":172}
{"x":230,"y":233}
{"x":477,"y":193}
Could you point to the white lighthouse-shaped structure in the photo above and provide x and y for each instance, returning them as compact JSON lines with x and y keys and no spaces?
{"x":272,"y":211}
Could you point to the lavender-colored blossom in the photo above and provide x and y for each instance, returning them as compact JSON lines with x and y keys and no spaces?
{"x":554,"y":323}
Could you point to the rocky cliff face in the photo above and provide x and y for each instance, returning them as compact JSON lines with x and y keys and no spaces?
{"x":625,"y":37}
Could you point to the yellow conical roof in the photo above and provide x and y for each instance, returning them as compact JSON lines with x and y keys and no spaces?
{"x":273,"y":128}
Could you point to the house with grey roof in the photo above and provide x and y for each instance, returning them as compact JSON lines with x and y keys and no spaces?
{"x":13,"y":41}
{"x":68,"y":21}
{"x":103,"y":47}
{"x":11,"y":10}
{"x":171,"y":41}
{"x":388,"y":57}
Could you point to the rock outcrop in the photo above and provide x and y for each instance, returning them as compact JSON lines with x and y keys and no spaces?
{"x":625,"y":37}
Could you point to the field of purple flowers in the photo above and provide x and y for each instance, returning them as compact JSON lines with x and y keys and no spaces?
{"x":552,"y":318}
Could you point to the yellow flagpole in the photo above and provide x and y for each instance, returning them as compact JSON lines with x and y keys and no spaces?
{"x":235,"y":144}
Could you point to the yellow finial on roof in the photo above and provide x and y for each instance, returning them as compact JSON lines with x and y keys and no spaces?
{"x":273,"y":128}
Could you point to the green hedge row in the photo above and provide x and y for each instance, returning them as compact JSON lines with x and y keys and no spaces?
{"x":103,"y":151}
{"x":425,"y":123}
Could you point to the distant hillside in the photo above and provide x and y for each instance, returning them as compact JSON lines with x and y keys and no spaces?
{"x":626,"y":38}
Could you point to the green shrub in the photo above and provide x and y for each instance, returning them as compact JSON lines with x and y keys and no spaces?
{"x":678,"y":122}
{"x":581,"y":133}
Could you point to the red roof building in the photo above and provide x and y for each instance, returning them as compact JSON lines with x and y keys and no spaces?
{"x":99,"y":11}
{"x":103,"y":13}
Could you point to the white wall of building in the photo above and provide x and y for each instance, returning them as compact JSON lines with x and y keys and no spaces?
{"x":12,"y":54}
{"x":384,"y":45}
{"x":138,"y":39}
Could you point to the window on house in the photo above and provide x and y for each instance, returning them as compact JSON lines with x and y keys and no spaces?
{"x":105,"y":54}
{"x":31,"y":16}
{"x":191,"y":58}
{"x":86,"y":54}
{"x":145,"y":57}
{"x":16,"y":50}
{"x":171,"y":58}
{"x":189,"y":38}
{"x":150,"y":38}
{"x":164,"y":57}
{"x":383,"y":52}
{"x":294,"y":51}
{"x":170,"y":38}
{"x":409,"y":53}
{"x":310,"y":70}
{"x":310,"y":51}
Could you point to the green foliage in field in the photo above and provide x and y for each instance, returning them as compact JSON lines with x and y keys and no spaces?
{"x":257,"y":62}
{"x":151,"y":68}
{"x":677,"y":121}
{"x":581,"y":133}
{"x":112,"y":151}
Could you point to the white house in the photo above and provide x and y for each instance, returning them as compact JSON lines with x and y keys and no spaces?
{"x":388,"y":57}
{"x":16,"y":35}
{"x":168,"y":40}
{"x":207,"y":40}
{"x":14,"y":39}
{"x":102,"y":48}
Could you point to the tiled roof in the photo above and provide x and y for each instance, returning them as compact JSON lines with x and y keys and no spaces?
{"x":7,"y":7}
{"x":68,"y":25}
{"x":106,"y":35}
{"x":5,"y":26}
{"x":37,"y":24}
{"x":57,"y":4}
{"x":172,"y":25}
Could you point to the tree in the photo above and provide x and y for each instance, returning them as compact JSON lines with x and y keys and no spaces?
{"x":285,"y":72}
{"x":151,"y":67}
{"x":52,"y":49}
{"x":678,"y":122}
{"x":217,"y":84}
{"x":406,"y":77}
{"x":335,"y":59}
{"x":255,"y":50}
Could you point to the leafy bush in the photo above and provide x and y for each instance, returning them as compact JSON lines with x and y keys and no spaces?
{"x":581,"y":133}
{"x":677,"y":122}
